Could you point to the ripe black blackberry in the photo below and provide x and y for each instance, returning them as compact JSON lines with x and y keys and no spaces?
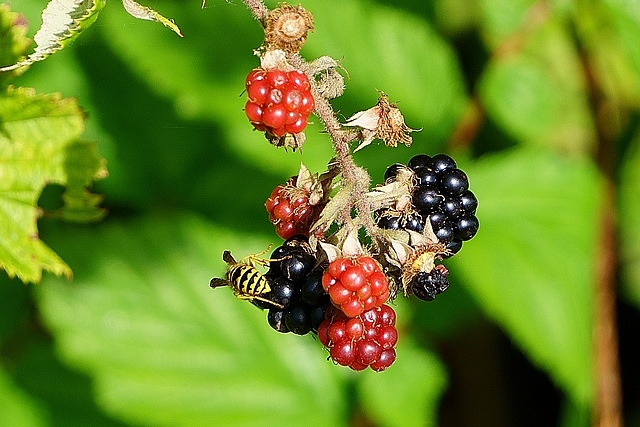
{"x":296,"y":284}
{"x":441,"y":195}
{"x":427,"y":285}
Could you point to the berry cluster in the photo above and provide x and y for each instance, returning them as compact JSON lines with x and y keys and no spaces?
{"x":279,"y":102}
{"x":296,"y":285}
{"x":442,"y":195}
{"x":363,"y":341}
{"x":289,"y":210}
{"x":355,"y":285}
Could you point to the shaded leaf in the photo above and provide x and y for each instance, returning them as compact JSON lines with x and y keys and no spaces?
{"x":408,"y":393}
{"x":629,"y":212}
{"x":164,"y":348}
{"x":38,"y":146}
{"x":17,"y":408}
{"x":531,"y":265}
{"x":64,"y":395}
{"x":62,"y":22}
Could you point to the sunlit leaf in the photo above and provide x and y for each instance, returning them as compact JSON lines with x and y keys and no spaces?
{"x":531,"y":265}
{"x":609,"y":31}
{"x":14,"y":43}
{"x":38,"y":146}
{"x":386,"y":49}
{"x":534,"y":88}
{"x":164,"y":348}
{"x":142,"y":12}
{"x":62,"y":22}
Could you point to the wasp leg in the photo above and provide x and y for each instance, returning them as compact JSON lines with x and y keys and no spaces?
{"x":249,"y":259}
{"x":259,"y":298}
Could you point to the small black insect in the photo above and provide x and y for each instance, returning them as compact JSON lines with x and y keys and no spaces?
{"x":245,"y":280}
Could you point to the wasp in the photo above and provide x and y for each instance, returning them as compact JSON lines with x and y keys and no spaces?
{"x":245,"y":279}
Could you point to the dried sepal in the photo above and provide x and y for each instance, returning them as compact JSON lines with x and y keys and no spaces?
{"x":383,"y":121}
{"x":427,"y":237}
{"x":329,"y":82}
{"x":332,"y":211}
{"x":275,"y":59}
{"x":351,"y":246}
{"x":396,"y":194}
{"x":422,"y":259}
{"x":331,"y":251}
{"x":286,"y":28}
{"x":317,"y":187}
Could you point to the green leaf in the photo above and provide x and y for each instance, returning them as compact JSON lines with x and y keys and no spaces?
{"x":64,"y":395}
{"x":408,"y":393}
{"x":142,"y":12}
{"x":537,"y":93}
{"x":609,"y":31}
{"x":13,"y":39}
{"x":17,"y":408}
{"x":531,"y":265}
{"x":38,"y":146}
{"x":396,"y":52}
{"x":62,"y":22}
{"x":629,"y":212}
{"x":163,"y":347}
{"x":501,"y":18}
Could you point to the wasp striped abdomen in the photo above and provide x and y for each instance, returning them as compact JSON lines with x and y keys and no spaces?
{"x":247,"y":280}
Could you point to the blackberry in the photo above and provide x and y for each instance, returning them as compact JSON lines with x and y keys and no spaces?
{"x":426,"y":199}
{"x":389,"y":222}
{"x":298,"y":320}
{"x":297,"y":265}
{"x":453,"y":181}
{"x":392,"y":171}
{"x":441,"y":196}
{"x":468,"y":202}
{"x":426,"y":177}
{"x":296,"y":284}
{"x":441,"y":162}
{"x":427,"y":285}
{"x":419,"y":161}
{"x":275,"y":317}
{"x":466,"y":226}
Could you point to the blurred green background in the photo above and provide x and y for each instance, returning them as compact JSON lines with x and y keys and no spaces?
{"x":537,"y":101}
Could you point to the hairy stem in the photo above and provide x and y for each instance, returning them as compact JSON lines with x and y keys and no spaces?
{"x":352,"y":175}
{"x":258,"y":9}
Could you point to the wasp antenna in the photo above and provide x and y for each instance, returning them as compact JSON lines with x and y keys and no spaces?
{"x":226,"y":257}
{"x":217,"y":282}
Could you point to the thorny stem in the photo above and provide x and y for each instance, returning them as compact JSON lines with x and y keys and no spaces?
{"x":352,"y":175}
